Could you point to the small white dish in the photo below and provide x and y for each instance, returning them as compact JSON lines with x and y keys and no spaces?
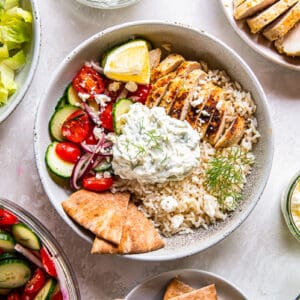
{"x":154,"y":287}
{"x":256,"y":41}
{"x":25,"y":76}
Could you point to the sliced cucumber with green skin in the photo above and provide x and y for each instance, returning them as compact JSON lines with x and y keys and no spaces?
{"x":25,"y":236}
{"x":9,"y":255}
{"x":57,"y":120}
{"x":73,"y":98}
{"x":14,"y":273}
{"x":4,"y":291}
{"x":63,"y":101}
{"x":56,"y":165}
{"x":120,"y":108}
{"x":47,"y":290}
{"x":108,"y":52}
{"x":7,"y":242}
{"x":103,"y":166}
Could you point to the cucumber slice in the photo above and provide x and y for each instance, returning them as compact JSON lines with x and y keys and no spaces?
{"x":73,"y":98}
{"x":57,"y":120}
{"x":4,"y":291}
{"x":14,"y":273}
{"x":120,"y":108}
{"x":63,"y":101}
{"x":103,"y":166}
{"x":56,"y":165}
{"x":47,"y":290}
{"x":8,"y":255}
{"x":25,"y":236}
{"x":7,"y":242}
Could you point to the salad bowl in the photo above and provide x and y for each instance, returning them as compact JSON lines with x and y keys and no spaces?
{"x":32,"y":50}
{"x":193,"y":44}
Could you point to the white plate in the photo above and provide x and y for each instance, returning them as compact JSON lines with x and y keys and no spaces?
{"x":256,"y":41}
{"x":153,"y":288}
{"x":193,"y":44}
{"x":24,"y":77}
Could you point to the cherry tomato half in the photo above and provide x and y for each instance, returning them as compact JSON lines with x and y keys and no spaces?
{"x":14,"y":296}
{"x":57,"y":296}
{"x":68,"y":151}
{"x":7,"y":218}
{"x":48,"y":262}
{"x":97,"y":184}
{"x":88,"y":81}
{"x":76,"y":128}
{"x":36,"y":282}
{"x":141,"y":93}
{"x":90,"y":139}
{"x":27,"y":297}
{"x":106,"y":117}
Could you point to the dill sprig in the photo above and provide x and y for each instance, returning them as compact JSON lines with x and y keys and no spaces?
{"x":225,"y":177}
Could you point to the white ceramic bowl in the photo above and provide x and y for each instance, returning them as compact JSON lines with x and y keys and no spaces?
{"x":193,"y":44}
{"x":24,"y":77}
{"x":108,"y":4}
{"x":154,"y":287}
{"x":256,"y":41}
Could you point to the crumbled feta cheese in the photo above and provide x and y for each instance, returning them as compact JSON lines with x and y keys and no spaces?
{"x":114,"y":86}
{"x":102,"y":99}
{"x":131,"y":86}
{"x":176,"y":221}
{"x":229,"y":203}
{"x":106,"y":174}
{"x":98,"y":131}
{"x":83,"y":96}
{"x":169,"y":204}
{"x":210,"y":205}
{"x":99,"y":175}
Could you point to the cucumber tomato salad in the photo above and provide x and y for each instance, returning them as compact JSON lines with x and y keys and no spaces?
{"x":89,"y":111}
{"x":27,"y":270}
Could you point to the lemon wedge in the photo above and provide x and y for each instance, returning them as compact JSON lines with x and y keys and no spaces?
{"x":129,"y":62}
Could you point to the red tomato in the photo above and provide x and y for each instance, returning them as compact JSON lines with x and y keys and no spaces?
{"x":68,"y":151}
{"x":88,"y":81}
{"x":97,"y":184}
{"x":57,"y":296}
{"x":7,"y":218}
{"x":14,"y":296}
{"x":36,"y":282}
{"x":27,"y":297}
{"x":48,"y":262}
{"x":141,"y":93}
{"x":90,"y":139}
{"x":106,"y":117}
{"x":76,"y":128}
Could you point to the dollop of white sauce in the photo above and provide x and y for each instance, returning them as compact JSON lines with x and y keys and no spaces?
{"x":153,"y":147}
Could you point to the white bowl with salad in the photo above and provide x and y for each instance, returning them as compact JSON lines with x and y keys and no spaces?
{"x":19,"y":53}
{"x":105,"y":126}
{"x":32,"y":264}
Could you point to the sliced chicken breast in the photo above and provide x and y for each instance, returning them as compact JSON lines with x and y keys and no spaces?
{"x":290,"y":43}
{"x":233,"y":134}
{"x":284,"y":24}
{"x":154,"y":56}
{"x":187,"y":67}
{"x":250,"y":7}
{"x":181,"y":104}
{"x":266,"y":17}
{"x":169,"y":64}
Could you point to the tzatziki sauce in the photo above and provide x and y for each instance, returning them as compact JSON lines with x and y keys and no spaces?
{"x":153,"y":147}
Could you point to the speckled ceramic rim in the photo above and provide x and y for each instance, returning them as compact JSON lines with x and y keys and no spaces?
{"x":182,"y":271}
{"x":34,"y":63}
{"x":268,"y":164}
{"x":253,"y":46}
{"x":96,"y":4}
{"x":50,"y":242}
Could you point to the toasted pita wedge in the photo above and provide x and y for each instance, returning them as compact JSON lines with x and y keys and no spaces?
{"x":103,"y":214}
{"x":206,"y":293}
{"x":138,"y":236}
{"x":176,"y":288}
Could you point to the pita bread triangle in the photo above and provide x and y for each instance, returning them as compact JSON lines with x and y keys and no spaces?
{"x":206,"y":293}
{"x":176,"y":288}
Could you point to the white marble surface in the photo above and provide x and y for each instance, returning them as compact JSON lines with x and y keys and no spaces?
{"x":261,"y":257}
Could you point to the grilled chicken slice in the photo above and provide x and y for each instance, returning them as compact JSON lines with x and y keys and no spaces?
{"x":187,"y":67}
{"x":250,"y":7}
{"x":181,"y":104}
{"x":159,"y":89}
{"x":217,"y":123}
{"x":266,"y":17}
{"x":233,"y":133}
{"x":284,"y":24}
{"x":154,"y":56}
{"x":169,"y":64}
{"x":290,"y":43}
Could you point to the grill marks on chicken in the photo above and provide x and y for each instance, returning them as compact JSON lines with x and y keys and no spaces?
{"x":177,"y":91}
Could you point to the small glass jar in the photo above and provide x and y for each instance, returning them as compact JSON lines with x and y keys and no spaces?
{"x":108,"y":4}
{"x":66,"y":276}
{"x":286,"y":206}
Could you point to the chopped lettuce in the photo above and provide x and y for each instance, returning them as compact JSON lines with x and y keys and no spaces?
{"x":15,"y":31}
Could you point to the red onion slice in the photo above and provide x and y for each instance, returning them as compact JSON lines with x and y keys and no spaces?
{"x":24,"y":251}
{"x":92,"y":114}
